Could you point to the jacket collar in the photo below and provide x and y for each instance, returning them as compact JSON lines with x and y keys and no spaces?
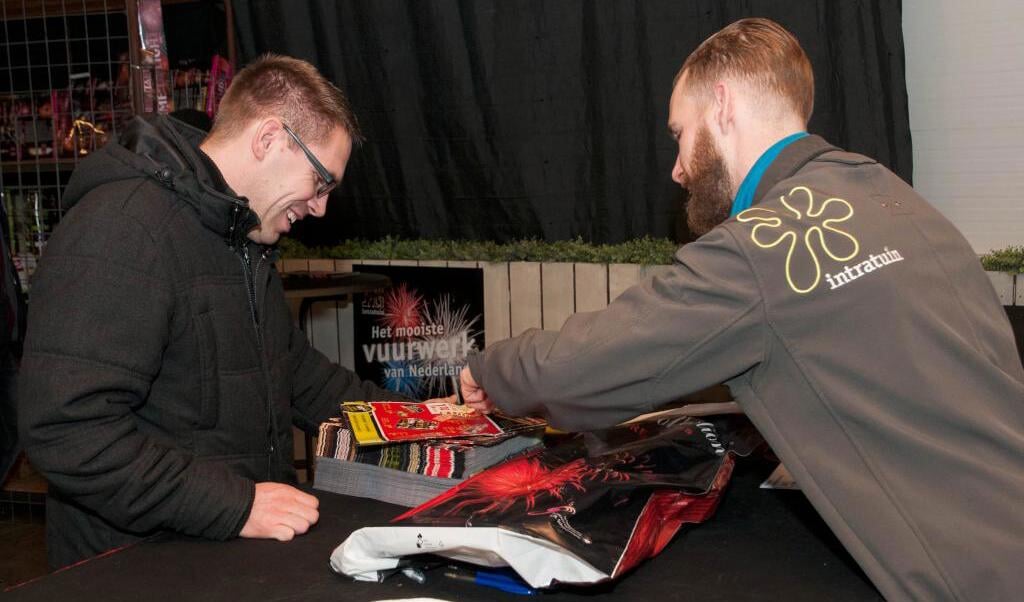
{"x":791,"y":160}
{"x":169,"y":149}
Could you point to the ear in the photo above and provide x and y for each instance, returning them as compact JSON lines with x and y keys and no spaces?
{"x":266,"y":133}
{"x":723,"y":107}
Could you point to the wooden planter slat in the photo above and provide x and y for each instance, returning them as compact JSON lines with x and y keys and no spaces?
{"x":524,"y":290}
{"x":621,"y":276}
{"x":1003,"y":284}
{"x":497,"y":324}
{"x":293,"y":265}
{"x":557,"y":294}
{"x":321,"y":265}
{"x":591,"y":286}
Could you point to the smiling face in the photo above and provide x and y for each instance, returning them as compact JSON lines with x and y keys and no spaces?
{"x":699,"y":167}
{"x":288,"y":183}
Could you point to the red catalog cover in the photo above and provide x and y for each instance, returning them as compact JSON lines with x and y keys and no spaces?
{"x":379,"y":422}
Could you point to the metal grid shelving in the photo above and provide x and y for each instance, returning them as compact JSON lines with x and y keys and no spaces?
{"x":65,"y":89}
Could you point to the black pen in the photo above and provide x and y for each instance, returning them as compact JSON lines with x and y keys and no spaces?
{"x":459,"y":400}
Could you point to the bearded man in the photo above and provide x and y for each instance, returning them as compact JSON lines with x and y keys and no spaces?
{"x":851,"y":321}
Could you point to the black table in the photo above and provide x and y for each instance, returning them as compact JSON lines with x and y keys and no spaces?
{"x":761,"y":545}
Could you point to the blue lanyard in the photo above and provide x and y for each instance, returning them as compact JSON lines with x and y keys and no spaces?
{"x":745,"y":196}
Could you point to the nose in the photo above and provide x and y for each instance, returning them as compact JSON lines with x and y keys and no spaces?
{"x":318,"y":206}
{"x":677,"y":170}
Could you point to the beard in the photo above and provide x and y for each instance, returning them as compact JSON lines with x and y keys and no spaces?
{"x":707,"y":181}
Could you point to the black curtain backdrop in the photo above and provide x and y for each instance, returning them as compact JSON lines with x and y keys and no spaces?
{"x":502,"y":119}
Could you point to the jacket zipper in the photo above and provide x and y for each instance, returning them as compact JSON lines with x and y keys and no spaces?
{"x":251,"y":276}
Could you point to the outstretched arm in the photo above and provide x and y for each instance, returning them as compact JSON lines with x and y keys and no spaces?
{"x":696,"y":325}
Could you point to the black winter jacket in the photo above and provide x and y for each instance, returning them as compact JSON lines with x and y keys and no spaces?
{"x":162,"y":372}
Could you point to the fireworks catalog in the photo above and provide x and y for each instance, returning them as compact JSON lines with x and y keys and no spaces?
{"x":378,"y":422}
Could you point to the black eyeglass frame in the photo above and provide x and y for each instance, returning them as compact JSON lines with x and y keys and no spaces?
{"x":329,"y":181}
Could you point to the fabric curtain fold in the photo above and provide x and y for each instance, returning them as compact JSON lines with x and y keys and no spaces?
{"x":503,"y":119}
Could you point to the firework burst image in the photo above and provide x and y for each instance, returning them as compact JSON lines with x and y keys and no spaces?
{"x":530,"y":480}
{"x":457,"y":331}
{"x":402,"y":308}
{"x":524,"y":479}
{"x":414,"y":337}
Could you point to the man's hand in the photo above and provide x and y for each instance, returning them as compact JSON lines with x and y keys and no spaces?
{"x":280,"y":512}
{"x":451,"y":399}
{"x":474,"y":394}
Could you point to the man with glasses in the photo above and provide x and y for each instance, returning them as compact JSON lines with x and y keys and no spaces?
{"x":326,"y":182}
{"x":162,"y":372}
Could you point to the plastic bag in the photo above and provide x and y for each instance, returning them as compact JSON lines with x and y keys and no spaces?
{"x":584,"y":511}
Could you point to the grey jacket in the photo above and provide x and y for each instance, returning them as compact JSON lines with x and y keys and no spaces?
{"x":162,"y":371}
{"x":857,"y":329}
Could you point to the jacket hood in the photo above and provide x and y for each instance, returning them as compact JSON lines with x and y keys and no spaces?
{"x":164,"y":150}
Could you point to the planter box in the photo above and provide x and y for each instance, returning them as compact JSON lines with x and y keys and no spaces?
{"x":523,"y":295}
{"x":517,"y":296}
{"x":1005,"y":285}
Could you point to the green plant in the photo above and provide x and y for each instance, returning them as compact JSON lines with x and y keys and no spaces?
{"x":644,"y":251}
{"x":1010,"y":259}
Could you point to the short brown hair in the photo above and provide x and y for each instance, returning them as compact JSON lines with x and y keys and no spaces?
{"x":759,"y":51}
{"x":288,"y":88}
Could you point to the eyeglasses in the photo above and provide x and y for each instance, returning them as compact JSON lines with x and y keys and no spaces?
{"x":328,"y":182}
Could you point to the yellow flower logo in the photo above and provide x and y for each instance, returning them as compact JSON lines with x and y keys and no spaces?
{"x":821,"y":238}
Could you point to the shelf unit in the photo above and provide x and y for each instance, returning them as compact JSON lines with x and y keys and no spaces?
{"x":65,"y":89}
{"x":72,"y":73}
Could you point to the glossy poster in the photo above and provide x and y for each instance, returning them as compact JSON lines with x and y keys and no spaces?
{"x":414,"y":337}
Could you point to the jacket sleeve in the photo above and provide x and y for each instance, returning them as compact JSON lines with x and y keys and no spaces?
{"x":102,"y":302}
{"x":321,"y":385}
{"x":700,"y":323}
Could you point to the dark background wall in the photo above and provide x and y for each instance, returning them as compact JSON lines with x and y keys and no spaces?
{"x":501,"y":119}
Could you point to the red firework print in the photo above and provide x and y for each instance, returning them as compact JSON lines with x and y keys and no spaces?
{"x":402,"y":309}
{"x":611,"y":498}
{"x":665,"y":512}
{"x":498,"y":489}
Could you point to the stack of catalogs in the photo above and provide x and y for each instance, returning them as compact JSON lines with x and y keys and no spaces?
{"x":411,"y":472}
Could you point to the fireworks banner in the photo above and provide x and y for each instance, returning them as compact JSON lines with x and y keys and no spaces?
{"x":585,"y":511}
{"x":414,"y":337}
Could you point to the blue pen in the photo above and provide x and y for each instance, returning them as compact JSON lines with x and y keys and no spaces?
{"x":506,"y":581}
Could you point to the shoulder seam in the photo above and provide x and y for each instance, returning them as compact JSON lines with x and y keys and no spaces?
{"x":760,"y":291}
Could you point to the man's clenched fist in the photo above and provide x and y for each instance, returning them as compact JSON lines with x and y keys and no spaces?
{"x":280,"y":512}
